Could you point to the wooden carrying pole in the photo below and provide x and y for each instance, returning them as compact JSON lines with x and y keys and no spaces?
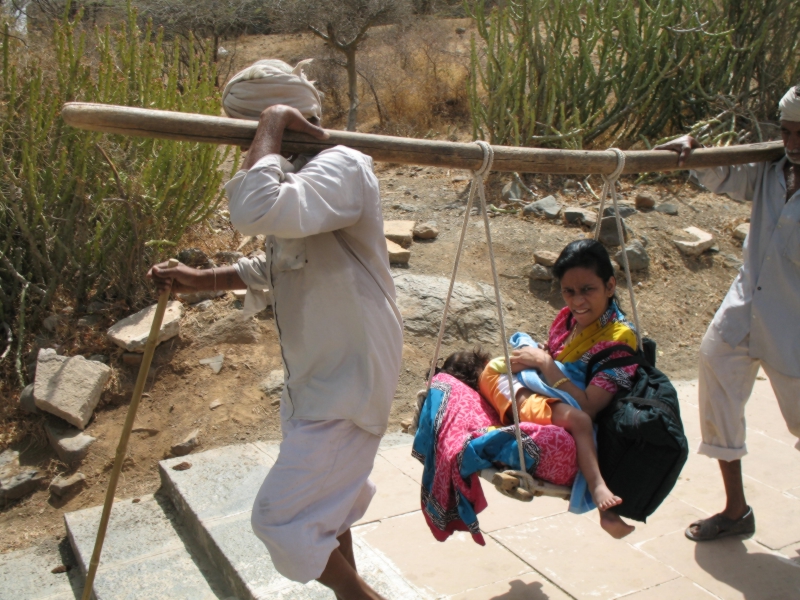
{"x":122,"y":448}
{"x":222,"y":130}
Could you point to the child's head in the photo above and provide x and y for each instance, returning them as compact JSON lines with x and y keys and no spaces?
{"x":587,"y":280}
{"x":466,"y":365}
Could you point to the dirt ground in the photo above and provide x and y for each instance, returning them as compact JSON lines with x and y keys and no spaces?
{"x":676,"y":298}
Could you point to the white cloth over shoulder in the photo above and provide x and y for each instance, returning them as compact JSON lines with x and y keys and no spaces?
{"x":790,"y":105}
{"x":270,"y":82}
{"x":340,"y":330}
{"x":764,"y":299}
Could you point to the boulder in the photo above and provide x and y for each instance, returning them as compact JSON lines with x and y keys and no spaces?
{"x":540,"y":273}
{"x":397,"y":254}
{"x":545,"y":257}
{"x":273,"y":384}
{"x":27,"y":402}
{"x":697,"y":241}
{"x":512,"y":191}
{"x":472,"y":317}
{"x":546,"y":207}
{"x":19,"y":485}
{"x":201,"y":296}
{"x":189,"y":443}
{"x":227,"y":257}
{"x":644,"y":201}
{"x":233,"y":329}
{"x":193,"y":257}
{"x":204,"y":305}
{"x":69,"y":387}
{"x":638,"y":260}
{"x":741,"y":232}
{"x":668,"y":209}
{"x":63,"y":486}
{"x":580,"y":216}
{"x":426,"y":231}
{"x":131,"y":332}
{"x":609,"y":234}
{"x":400,"y":232}
{"x":732,"y":261}
{"x":71,"y":445}
{"x":625,"y":211}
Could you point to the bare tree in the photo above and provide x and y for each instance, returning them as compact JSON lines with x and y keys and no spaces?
{"x":343,"y":25}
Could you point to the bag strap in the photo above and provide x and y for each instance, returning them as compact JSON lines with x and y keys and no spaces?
{"x":652,"y":403}
{"x":633,"y":358}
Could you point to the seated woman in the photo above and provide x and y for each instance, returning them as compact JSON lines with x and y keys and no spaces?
{"x":547,"y":392}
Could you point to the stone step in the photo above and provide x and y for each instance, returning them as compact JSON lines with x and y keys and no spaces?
{"x":144,"y":555}
{"x":29,"y":574}
{"x":215,"y":496}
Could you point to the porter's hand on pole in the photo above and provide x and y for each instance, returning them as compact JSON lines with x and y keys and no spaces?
{"x":180,"y":279}
{"x":682,"y":145}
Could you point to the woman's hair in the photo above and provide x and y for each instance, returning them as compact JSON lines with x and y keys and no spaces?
{"x":466,"y":366}
{"x":589,"y":254}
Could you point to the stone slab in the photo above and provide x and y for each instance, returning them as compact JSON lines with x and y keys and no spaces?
{"x":699,"y":241}
{"x":545,"y":258}
{"x":397,"y":254}
{"x":741,"y":231}
{"x":530,"y":586}
{"x":682,"y":588}
{"x":399,"y":232}
{"x":27,"y":575}
{"x":503,"y":512}
{"x":143,"y":555}
{"x":69,"y":387}
{"x":131,"y":332}
{"x":71,"y":445}
{"x":547,"y":207}
{"x":399,"y":494}
{"x":580,"y":216}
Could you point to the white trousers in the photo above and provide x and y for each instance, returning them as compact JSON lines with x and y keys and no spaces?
{"x":317,"y":489}
{"x":726,"y":380}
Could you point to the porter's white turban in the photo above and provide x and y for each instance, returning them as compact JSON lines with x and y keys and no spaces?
{"x":270,"y":82}
{"x":790,"y":105}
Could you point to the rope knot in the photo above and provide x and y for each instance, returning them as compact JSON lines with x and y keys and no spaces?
{"x":620,"y":166}
{"x":488,"y":159}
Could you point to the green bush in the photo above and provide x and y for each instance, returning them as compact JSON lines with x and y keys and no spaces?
{"x":83,"y":214}
{"x":574,"y":73}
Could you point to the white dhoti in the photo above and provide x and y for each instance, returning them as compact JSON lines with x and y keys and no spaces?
{"x":726,"y":380}
{"x":317,"y":489}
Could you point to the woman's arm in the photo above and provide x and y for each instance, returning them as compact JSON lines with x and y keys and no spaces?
{"x":592,"y":400}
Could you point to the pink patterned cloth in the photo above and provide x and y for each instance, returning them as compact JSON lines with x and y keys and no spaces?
{"x":463,"y":416}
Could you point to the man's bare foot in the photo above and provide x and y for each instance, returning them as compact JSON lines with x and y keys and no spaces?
{"x":604,"y":498}
{"x":614,"y":525}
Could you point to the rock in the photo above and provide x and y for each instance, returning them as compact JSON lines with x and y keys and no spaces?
{"x":668,"y":209}
{"x":101,"y":358}
{"x":397,"y":254}
{"x":239,"y":295}
{"x":512,"y":191}
{"x":426,"y":231}
{"x":404,"y":207}
{"x":699,"y":242}
{"x":69,"y":388}
{"x":26,"y":400}
{"x":459,"y":178}
{"x":89,"y":320}
{"x":70,"y":444}
{"x":193,"y":257}
{"x":227,"y":258}
{"x":400,"y":232}
{"x":608,"y":231}
{"x":461,"y":30}
{"x":182,"y":466}
{"x":625,"y":211}
{"x":201,"y":296}
{"x":545,"y":257}
{"x":204,"y":305}
{"x":548,"y":207}
{"x":732,"y":261}
{"x":9,"y":463}
{"x":273,"y":384}
{"x":540,"y":273}
{"x":51,"y":323}
{"x":189,"y":443}
{"x":215,"y":404}
{"x":61,"y":486}
{"x":580,"y":216}
{"x":131,"y":332}
{"x":19,"y":485}
{"x":232,"y":329}
{"x":644,"y":201}
{"x":215,"y":362}
{"x":472,"y":316}
{"x":132,"y":359}
{"x":741,"y":232}
{"x":638,"y":260}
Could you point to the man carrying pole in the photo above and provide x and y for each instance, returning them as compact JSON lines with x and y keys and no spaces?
{"x":757,"y":324}
{"x":340,"y":330}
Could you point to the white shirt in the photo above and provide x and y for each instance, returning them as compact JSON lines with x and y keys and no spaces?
{"x":764,"y":299}
{"x":333,"y":296}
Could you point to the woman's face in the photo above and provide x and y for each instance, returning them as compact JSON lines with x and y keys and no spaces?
{"x":586,"y":294}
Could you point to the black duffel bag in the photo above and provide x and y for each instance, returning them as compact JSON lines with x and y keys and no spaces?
{"x":641,"y":446}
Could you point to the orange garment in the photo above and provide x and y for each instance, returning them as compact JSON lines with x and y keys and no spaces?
{"x":493,"y":385}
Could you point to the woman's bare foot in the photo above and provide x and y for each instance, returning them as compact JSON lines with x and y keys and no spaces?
{"x":604,"y":498}
{"x":614,"y":525}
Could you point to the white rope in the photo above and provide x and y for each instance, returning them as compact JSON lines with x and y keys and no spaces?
{"x":610,"y":186}
{"x":477,"y":184}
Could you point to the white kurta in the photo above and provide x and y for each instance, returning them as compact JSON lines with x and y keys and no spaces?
{"x":340,"y":330}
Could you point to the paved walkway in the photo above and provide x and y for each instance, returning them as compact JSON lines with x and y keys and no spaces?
{"x":538,"y":551}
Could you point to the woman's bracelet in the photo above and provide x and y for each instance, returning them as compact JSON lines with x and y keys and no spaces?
{"x":560,"y":382}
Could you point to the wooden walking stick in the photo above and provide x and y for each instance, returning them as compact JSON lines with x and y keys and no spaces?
{"x":149,"y":350}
